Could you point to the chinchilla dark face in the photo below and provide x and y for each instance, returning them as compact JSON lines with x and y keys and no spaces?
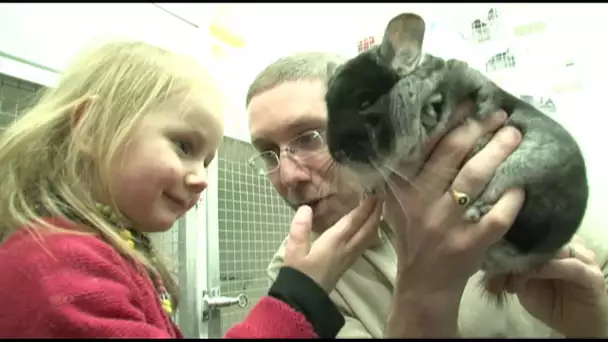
{"x":359,"y":128}
{"x":371,"y":124}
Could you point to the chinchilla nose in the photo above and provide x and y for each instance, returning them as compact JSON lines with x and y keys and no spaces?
{"x":340,"y":156}
{"x":374,"y":114}
{"x":352,"y":146}
{"x":372,"y":119}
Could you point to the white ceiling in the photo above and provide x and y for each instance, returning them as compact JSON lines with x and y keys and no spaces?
{"x":272,"y":30}
{"x":279,"y":28}
{"x":302,"y":26}
{"x":308,"y":26}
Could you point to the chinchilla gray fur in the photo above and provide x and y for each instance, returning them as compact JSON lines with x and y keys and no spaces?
{"x":384,"y":103}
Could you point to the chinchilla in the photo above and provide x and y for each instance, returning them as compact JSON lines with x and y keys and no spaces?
{"x":385,"y":103}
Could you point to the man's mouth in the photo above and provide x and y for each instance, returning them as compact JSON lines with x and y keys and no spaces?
{"x":314,"y":203}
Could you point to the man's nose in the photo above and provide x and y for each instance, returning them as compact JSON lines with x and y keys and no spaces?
{"x":292,"y":171}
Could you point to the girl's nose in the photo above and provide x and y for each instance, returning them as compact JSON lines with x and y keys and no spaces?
{"x":196,"y":181}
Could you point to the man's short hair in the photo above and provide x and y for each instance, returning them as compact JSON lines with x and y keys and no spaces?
{"x":295,"y":67}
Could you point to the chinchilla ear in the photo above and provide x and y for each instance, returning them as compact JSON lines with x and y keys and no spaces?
{"x":401,"y":46}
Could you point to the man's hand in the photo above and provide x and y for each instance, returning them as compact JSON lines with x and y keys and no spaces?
{"x":568,"y":293}
{"x":437,"y":249}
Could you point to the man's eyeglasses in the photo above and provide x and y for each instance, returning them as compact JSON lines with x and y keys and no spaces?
{"x":301,"y":147}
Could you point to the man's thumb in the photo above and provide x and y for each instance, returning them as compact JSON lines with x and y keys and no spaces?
{"x":298,"y":244}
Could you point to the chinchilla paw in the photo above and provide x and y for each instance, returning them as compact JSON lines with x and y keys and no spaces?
{"x":476,"y":211}
{"x":487,"y":101}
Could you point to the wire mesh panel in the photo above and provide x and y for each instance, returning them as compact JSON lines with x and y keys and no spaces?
{"x":15,"y":96}
{"x":253,"y":221}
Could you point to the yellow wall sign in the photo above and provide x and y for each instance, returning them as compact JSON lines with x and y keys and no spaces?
{"x":229,"y":40}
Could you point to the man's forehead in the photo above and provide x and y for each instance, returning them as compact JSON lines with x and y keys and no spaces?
{"x":288,"y":109}
{"x":288,"y":128}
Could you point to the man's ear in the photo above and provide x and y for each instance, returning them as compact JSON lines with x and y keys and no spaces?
{"x":401,"y":45}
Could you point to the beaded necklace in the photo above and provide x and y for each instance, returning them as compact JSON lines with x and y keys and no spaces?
{"x":128,"y":236}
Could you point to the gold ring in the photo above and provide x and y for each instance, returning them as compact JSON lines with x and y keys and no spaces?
{"x":460,"y":198}
{"x":571,"y":252}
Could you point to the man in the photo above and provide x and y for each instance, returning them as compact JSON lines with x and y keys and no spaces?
{"x":287,"y":115}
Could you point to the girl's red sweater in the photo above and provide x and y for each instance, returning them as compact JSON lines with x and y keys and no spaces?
{"x":77,"y":286}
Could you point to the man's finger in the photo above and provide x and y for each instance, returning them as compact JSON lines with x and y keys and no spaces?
{"x":572,"y":270}
{"x":368,"y":231}
{"x":298,"y":244}
{"x":495,"y":224}
{"x":352,"y":222}
{"x":578,"y":251}
{"x":451,"y":151}
{"x":479,"y":170}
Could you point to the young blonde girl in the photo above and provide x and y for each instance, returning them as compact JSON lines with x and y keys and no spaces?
{"x":116,"y":150}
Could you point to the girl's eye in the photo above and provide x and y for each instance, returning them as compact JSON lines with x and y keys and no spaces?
{"x":184,"y":146}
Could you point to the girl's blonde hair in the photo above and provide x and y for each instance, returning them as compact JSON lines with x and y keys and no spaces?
{"x":42,"y":158}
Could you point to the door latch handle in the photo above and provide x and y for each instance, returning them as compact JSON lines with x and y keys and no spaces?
{"x":221,"y":301}
{"x":213,"y":303}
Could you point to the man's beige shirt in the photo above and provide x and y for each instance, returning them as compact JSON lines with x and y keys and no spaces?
{"x":364,"y":294}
